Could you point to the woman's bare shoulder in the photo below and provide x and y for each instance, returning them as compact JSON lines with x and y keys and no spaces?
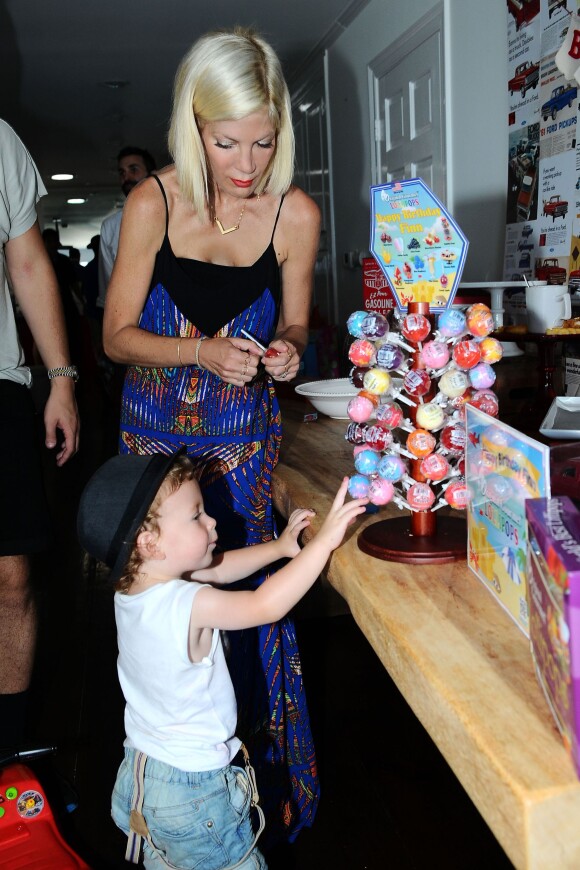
{"x":300,"y":208}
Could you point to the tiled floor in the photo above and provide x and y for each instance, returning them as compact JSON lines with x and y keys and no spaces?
{"x":388,"y":797}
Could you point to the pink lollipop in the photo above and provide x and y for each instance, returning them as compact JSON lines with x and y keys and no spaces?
{"x":434,"y":467}
{"x":466,"y":354}
{"x":457,"y":495}
{"x":381,"y":491}
{"x":421,"y":443}
{"x":360,"y":409}
{"x":482,"y":376}
{"x":415,"y":327}
{"x":479,"y":320}
{"x":420,"y":497}
{"x":389,"y":416}
{"x":417,"y":382}
{"x":435,"y":354}
{"x":486,"y":401}
{"x":361,"y":352}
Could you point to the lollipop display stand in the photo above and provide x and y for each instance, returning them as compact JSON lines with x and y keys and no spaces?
{"x":417,"y":461}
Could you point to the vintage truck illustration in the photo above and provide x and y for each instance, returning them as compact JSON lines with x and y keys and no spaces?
{"x":523,"y":11}
{"x":555,"y":207}
{"x":526,"y":76}
{"x":563,"y":95}
{"x":549,"y":270}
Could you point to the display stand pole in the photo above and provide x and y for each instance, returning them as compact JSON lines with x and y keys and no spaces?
{"x":424,"y":538}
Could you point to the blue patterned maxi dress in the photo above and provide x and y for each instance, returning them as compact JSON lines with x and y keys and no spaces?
{"x":232,"y":435}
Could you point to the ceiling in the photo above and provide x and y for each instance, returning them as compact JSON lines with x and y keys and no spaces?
{"x":62,"y":59}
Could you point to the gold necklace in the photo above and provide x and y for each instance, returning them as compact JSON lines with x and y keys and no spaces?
{"x":235,"y":227}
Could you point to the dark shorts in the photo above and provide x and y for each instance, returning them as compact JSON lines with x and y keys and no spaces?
{"x":24,"y":517}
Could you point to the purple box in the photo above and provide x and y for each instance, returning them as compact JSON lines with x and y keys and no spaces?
{"x":553,"y":591}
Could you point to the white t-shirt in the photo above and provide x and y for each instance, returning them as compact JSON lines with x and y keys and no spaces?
{"x":177,"y":711}
{"x":109,"y":244}
{"x":20,"y":189}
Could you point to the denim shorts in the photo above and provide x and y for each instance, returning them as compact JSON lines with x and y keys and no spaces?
{"x":198,"y":821}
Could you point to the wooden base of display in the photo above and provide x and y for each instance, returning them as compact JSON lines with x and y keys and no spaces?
{"x":394,"y":541}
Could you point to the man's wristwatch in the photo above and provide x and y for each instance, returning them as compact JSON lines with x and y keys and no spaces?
{"x":64,"y":372}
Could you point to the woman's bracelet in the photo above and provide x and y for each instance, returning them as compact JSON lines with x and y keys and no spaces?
{"x":197,"y":347}
{"x":178,"y":351}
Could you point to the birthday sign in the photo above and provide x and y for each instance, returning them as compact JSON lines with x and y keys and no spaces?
{"x":419,"y":247}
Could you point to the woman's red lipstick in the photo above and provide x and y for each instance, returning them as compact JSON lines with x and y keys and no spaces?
{"x":239,"y":183}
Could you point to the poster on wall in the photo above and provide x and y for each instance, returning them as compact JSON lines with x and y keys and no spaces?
{"x":544,"y":153}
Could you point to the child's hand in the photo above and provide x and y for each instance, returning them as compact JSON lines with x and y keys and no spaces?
{"x":340,"y":516}
{"x":288,"y":540}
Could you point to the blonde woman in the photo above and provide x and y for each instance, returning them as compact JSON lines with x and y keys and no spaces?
{"x":208,"y":305}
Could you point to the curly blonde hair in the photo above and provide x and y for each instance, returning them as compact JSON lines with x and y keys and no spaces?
{"x":180,"y":472}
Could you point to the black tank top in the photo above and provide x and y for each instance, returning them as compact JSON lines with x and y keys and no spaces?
{"x":209,"y":295}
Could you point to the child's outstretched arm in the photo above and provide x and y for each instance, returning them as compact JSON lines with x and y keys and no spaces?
{"x":237,"y":564}
{"x":214,"y":608}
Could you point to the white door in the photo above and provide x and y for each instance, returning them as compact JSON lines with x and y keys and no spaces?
{"x":407,"y":107}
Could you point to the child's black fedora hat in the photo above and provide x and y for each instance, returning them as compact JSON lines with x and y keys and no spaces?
{"x":115,"y":502}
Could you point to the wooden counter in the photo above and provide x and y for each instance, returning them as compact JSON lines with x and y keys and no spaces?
{"x":461,"y":663}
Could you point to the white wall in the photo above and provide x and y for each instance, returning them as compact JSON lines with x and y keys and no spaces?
{"x":476,"y":129}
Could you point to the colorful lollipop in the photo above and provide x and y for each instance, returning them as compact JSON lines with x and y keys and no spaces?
{"x":421,"y":443}
{"x":357,"y":376}
{"x":486,"y":401}
{"x":374,"y":325}
{"x":358,"y":486}
{"x":391,"y":468}
{"x":466,"y":354}
{"x":453,"y":439}
{"x":390,"y":415}
{"x":457,"y":495}
{"x":479,"y":320}
{"x":482,"y":376}
{"x":491,"y":350}
{"x":378,"y":438}
{"x":415,"y":327}
{"x":356,"y":433}
{"x":420,"y":497}
{"x":367,"y":461}
{"x":361,"y":352}
{"x":377,"y":381}
{"x":451,"y":323}
{"x":381,"y":491}
{"x":360,"y":409}
{"x":417,"y":383}
{"x":354,"y":323}
{"x":434,"y":467}
{"x":390,"y":356}
{"x":435,"y":354}
{"x":430,"y":416}
{"x":453,"y":383}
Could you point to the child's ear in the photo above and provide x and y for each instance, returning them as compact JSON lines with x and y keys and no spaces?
{"x":148,"y":545}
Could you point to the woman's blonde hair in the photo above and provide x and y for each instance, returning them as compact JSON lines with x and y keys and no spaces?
{"x":179,"y":473}
{"x":225,"y":76}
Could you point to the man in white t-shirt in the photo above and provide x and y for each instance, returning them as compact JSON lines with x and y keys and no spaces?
{"x":134,"y":164}
{"x":24,"y":521}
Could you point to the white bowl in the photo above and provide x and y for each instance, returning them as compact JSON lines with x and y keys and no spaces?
{"x":329,"y":397}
